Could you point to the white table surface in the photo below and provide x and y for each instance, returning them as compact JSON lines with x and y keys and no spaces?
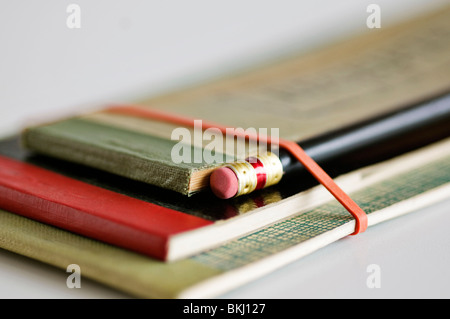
{"x":136,"y":48}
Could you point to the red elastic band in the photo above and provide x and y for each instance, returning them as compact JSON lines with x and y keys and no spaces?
{"x":292,"y":147}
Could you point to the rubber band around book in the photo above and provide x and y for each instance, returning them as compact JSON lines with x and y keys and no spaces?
{"x":361,"y":221}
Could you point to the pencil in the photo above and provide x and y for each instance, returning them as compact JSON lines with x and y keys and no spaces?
{"x":416,"y":124}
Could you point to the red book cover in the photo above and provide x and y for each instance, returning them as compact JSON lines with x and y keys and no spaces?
{"x":55,"y":199}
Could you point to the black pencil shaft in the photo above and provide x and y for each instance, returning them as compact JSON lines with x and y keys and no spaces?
{"x":405,"y":124}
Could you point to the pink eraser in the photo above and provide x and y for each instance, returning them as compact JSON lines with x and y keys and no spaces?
{"x":224,"y":183}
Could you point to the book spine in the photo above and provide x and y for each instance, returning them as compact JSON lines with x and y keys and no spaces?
{"x":121,"y":152}
{"x":91,"y":211}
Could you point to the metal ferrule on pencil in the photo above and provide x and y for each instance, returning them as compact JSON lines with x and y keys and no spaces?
{"x":257,"y":172}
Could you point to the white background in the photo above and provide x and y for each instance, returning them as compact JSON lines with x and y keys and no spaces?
{"x":129,"y":49}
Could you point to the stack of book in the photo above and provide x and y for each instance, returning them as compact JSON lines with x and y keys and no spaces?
{"x":104,"y":191}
